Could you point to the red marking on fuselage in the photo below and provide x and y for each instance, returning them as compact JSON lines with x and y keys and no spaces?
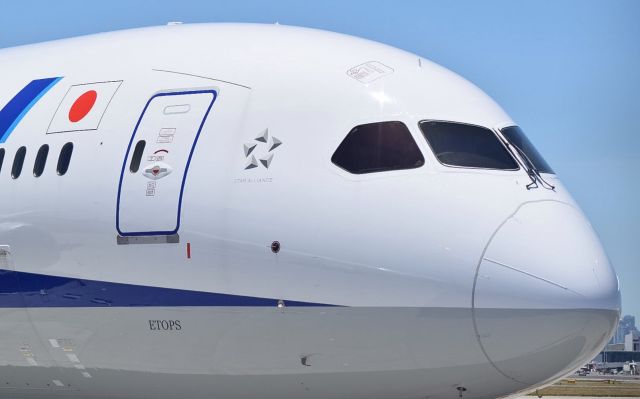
{"x":82,"y":106}
{"x":188,"y":250}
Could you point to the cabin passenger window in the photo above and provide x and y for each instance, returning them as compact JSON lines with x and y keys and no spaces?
{"x":41,"y":160}
{"x":378,"y":147}
{"x":1,"y":158}
{"x":516,"y":138}
{"x":18,"y":161}
{"x":64,"y":159}
{"x":137,"y":156}
{"x":468,"y":146}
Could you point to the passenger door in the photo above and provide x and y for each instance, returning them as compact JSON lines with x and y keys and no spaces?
{"x":157,"y":161}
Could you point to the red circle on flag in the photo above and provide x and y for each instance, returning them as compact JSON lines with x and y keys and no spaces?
{"x":82,"y":105}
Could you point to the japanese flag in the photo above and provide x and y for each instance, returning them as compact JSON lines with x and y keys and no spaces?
{"x":83,"y":107}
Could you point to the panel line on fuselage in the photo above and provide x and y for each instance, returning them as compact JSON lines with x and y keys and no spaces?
{"x":202,"y":77}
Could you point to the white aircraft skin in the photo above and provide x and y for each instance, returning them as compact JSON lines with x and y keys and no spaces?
{"x":430,"y":282}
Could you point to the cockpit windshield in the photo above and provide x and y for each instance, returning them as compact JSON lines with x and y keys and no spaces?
{"x":466,"y":146}
{"x":516,"y":138}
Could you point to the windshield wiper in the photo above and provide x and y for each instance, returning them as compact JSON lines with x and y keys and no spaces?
{"x":532,"y":171}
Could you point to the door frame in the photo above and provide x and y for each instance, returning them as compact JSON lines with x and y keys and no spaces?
{"x":186,"y":170}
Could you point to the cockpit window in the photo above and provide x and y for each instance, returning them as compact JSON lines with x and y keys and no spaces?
{"x":516,"y":138}
{"x":378,"y":147}
{"x":468,"y":146}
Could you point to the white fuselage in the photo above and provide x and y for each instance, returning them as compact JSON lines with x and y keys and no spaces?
{"x":239,"y":261}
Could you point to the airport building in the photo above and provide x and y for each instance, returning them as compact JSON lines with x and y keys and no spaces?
{"x":619,"y":356}
{"x":622,"y":354}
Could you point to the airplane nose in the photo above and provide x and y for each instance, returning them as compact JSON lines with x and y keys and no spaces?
{"x":545,"y":297}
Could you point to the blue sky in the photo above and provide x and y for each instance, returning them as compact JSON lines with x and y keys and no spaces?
{"x":567,"y":71}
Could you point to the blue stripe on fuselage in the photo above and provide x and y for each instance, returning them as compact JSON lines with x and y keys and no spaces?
{"x":20,"y":289}
{"x":21,"y":103}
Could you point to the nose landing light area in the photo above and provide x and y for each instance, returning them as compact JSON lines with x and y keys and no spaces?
{"x":545,"y":297}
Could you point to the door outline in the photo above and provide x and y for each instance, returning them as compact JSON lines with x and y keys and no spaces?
{"x":186,"y":170}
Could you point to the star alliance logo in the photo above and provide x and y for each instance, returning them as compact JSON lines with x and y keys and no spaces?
{"x":261,"y":149}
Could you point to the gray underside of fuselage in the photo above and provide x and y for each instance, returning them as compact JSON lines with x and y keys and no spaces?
{"x":323,"y":352}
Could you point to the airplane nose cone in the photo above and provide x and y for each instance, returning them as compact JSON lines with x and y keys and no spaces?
{"x":545,"y":298}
